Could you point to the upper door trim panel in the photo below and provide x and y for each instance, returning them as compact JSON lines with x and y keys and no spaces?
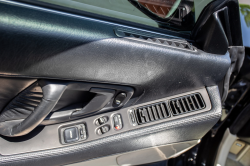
{"x":55,"y":45}
{"x":28,"y":6}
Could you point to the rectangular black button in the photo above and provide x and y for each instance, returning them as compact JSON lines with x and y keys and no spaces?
{"x":71,"y":135}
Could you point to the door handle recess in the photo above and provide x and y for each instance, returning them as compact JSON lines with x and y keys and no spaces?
{"x":103,"y":96}
{"x":52,"y":92}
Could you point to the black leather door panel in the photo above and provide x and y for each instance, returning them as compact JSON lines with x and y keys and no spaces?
{"x":10,"y":87}
{"x":61,"y":46}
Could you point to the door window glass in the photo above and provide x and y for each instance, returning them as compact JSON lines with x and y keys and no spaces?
{"x":179,"y":15}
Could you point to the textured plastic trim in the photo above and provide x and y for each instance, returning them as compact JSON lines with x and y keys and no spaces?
{"x":155,"y":39}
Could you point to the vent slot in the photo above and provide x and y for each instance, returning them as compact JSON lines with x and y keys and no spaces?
{"x":186,"y":104}
{"x":165,"y":42}
{"x":152,"y":113}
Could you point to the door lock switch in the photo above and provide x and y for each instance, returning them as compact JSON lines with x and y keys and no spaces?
{"x":117,"y":119}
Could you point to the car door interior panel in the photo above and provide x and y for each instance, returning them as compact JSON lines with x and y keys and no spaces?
{"x":75,"y":88}
{"x":179,"y":129}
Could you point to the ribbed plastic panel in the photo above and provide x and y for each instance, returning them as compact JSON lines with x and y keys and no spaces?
{"x":166,"y":42}
{"x":152,"y":113}
{"x":186,"y":104}
{"x":175,"y":106}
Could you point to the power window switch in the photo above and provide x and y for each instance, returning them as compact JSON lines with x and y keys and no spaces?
{"x":101,"y":121}
{"x":105,"y":129}
{"x":71,"y":135}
